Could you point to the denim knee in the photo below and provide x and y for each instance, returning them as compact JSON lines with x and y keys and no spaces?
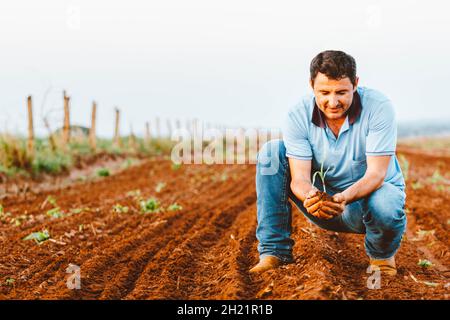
{"x":385,"y":208}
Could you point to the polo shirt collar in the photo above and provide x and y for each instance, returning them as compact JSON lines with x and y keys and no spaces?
{"x":318,"y":118}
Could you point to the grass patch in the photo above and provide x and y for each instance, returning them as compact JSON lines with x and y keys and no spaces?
{"x":103,"y":172}
{"x":424,"y":263}
{"x":151,"y":205}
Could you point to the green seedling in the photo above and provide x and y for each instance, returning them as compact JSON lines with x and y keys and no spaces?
{"x":103,"y":172}
{"x":77,"y":210}
{"x":52,"y":201}
{"x":424,"y":263}
{"x":176,"y":166}
{"x":55,"y":213}
{"x":118,"y":208}
{"x":321,"y":173}
{"x":17,"y":221}
{"x":10,"y":281}
{"x":150,"y":206}
{"x":38,"y":237}
{"x":417,"y":185}
{"x":80,"y":228}
{"x":160,"y":186}
{"x":174,"y":207}
{"x":4,"y":216}
{"x":436,"y":177}
{"x":224,"y":177}
{"x":127,"y":163}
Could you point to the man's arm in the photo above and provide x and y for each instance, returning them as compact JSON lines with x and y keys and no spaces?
{"x":300,"y":177}
{"x":377,"y":167}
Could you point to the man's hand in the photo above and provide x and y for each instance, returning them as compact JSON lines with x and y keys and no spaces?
{"x":323,"y":207}
{"x":340,"y":202}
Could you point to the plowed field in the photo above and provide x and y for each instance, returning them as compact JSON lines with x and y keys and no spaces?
{"x":204,"y":250}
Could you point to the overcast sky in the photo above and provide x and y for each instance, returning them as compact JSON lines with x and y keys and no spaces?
{"x":236,"y":62}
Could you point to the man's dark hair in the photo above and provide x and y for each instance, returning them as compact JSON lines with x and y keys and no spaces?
{"x":334,"y":64}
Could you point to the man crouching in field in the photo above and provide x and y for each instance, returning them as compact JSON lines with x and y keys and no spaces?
{"x":351,"y":131}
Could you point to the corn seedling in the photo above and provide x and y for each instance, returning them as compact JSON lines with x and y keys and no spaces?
{"x":103,"y":172}
{"x":437,"y":178}
{"x":160,"y":186}
{"x":38,"y":237}
{"x":10,"y":281}
{"x":80,"y":228}
{"x":417,"y":185}
{"x":52,"y":201}
{"x":55,"y":213}
{"x":127,"y":163}
{"x":4,"y":216}
{"x":321,"y":173}
{"x":176,"y":166}
{"x":424,"y":263}
{"x":174,"y":207}
{"x":118,"y":208}
{"x":17,"y":221}
{"x":78,"y":210}
{"x":150,"y":206}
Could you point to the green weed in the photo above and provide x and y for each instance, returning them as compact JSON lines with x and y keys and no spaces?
{"x":38,"y":237}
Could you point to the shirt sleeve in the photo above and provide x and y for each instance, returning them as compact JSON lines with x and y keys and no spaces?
{"x":295,"y":137}
{"x":382,"y":135}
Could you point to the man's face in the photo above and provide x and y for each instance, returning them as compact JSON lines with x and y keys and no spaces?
{"x":333,"y":97}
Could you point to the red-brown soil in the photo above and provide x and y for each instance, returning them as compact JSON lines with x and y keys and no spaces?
{"x":205,"y":250}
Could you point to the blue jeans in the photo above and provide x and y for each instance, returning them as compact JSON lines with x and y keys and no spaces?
{"x":380,"y":216}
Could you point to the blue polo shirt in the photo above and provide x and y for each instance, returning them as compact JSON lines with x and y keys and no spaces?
{"x":370,"y":129}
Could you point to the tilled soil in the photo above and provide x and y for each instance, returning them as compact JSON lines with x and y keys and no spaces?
{"x":204,"y":251}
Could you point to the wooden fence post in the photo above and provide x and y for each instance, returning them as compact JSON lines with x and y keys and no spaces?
{"x":116,"y":129}
{"x":66,"y":129}
{"x":148,"y":136}
{"x":92,"y":133}
{"x":30,"y":143}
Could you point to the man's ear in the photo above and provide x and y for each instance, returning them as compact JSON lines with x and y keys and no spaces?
{"x":355,"y":86}
{"x":311,"y":83}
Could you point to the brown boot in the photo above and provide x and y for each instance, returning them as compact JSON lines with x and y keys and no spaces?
{"x":266,"y":263}
{"x":387,"y":266}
